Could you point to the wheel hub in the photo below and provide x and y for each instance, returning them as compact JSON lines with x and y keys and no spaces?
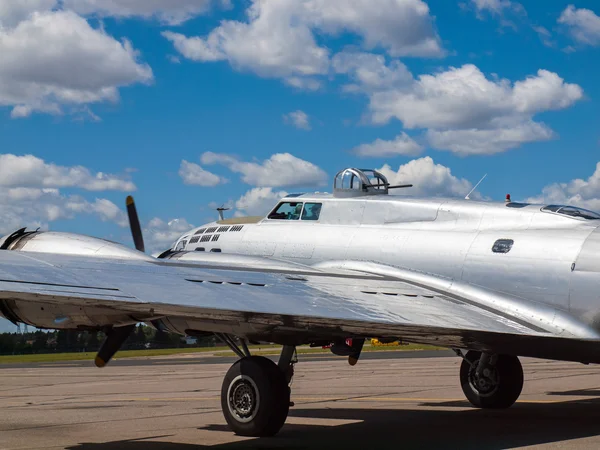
{"x":486,"y":383}
{"x":243,"y":399}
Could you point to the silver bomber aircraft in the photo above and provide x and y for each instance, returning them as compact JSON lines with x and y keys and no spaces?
{"x":493,"y":281}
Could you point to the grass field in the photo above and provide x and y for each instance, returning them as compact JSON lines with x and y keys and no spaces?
{"x":263,"y":350}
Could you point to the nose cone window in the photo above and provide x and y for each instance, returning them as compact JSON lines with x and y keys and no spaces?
{"x":287,"y":211}
{"x":311,"y":211}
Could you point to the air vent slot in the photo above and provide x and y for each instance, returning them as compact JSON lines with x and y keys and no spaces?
{"x":394,"y":294}
{"x":232,"y":283}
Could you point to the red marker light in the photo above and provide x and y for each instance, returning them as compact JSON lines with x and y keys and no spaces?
{"x":508,"y":197}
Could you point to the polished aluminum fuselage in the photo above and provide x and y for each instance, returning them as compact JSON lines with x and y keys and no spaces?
{"x":555,"y":259}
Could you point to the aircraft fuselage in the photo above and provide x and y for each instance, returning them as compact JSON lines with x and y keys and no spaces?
{"x":526,"y":251}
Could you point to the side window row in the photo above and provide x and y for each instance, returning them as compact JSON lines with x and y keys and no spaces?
{"x":202,"y":249}
{"x":296,"y":211}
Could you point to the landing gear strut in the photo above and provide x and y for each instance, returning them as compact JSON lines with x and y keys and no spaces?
{"x":491,"y":381}
{"x":255,"y":397}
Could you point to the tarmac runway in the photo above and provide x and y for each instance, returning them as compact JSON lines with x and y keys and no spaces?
{"x":382,"y":402}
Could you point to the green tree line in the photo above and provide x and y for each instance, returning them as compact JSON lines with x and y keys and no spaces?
{"x":64,"y":341}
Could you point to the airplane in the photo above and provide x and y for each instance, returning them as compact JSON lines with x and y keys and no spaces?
{"x":492,"y":281}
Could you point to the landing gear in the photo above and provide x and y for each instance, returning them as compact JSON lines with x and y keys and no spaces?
{"x":491,"y":381}
{"x":255,"y":396}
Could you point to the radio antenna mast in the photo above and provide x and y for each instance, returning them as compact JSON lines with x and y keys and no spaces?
{"x":220,"y":210}
{"x":475,"y":187}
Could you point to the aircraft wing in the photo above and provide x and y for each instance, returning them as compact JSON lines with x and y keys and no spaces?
{"x":330,"y":301}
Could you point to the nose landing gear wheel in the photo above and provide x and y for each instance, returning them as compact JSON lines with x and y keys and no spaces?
{"x":255,"y":397}
{"x":495,"y":385}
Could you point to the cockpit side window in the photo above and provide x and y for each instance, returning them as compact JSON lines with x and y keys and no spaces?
{"x":311,"y":211}
{"x":572,"y":211}
{"x":181,"y":245}
{"x":287,"y":211}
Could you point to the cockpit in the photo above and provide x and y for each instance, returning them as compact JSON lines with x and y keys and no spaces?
{"x":571,"y":211}
{"x":296,"y":211}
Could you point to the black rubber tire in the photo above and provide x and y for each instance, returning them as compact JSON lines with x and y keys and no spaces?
{"x":510,"y":382}
{"x":273,"y":392}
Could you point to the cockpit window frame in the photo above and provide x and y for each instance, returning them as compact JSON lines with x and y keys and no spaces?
{"x":279,"y":205}
{"x":303,"y":216}
{"x":569,"y":211}
{"x":181,"y":245}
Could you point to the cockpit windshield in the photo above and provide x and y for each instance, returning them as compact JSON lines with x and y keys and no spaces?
{"x":287,"y":211}
{"x":572,"y":211}
{"x":296,"y":210}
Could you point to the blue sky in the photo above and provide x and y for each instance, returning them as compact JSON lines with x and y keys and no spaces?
{"x":191,"y":103}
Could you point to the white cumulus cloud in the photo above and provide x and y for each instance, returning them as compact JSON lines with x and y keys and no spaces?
{"x":370,"y":72}
{"x":403,"y":144}
{"x":497,"y":7}
{"x":298,"y":118}
{"x":14,"y":11}
{"x":583,"y":24}
{"x":30,"y":193}
{"x":258,"y":201}
{"x":475,"y":141}
{"x":281,"y":169}
{"x":171,"y":12}
{"x":31,"y":171}
{"x":462,"y":108}
{"x":580,"y":192}
{"x":160,"y":235}
{"x":35,"y":207}
{"x":429,"y":179}
{"x":52,"y":59}
{"x":278,"y":38}
{"x":194,"y":174}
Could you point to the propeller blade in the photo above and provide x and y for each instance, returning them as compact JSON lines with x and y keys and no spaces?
{"x":134,"y":224}
{"x":111,"y":345}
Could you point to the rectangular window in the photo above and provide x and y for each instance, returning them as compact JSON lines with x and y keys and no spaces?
{"x":287,"y":211}
{"x":311,"y":211}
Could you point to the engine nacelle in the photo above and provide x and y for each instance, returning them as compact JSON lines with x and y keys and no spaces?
{"x":60,"y":316}
{"x":67,"y":244}
{"x":57,"y":316}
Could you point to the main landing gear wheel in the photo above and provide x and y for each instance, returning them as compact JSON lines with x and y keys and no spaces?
{"x":255,"y":397}
{"x":496,"y":382}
